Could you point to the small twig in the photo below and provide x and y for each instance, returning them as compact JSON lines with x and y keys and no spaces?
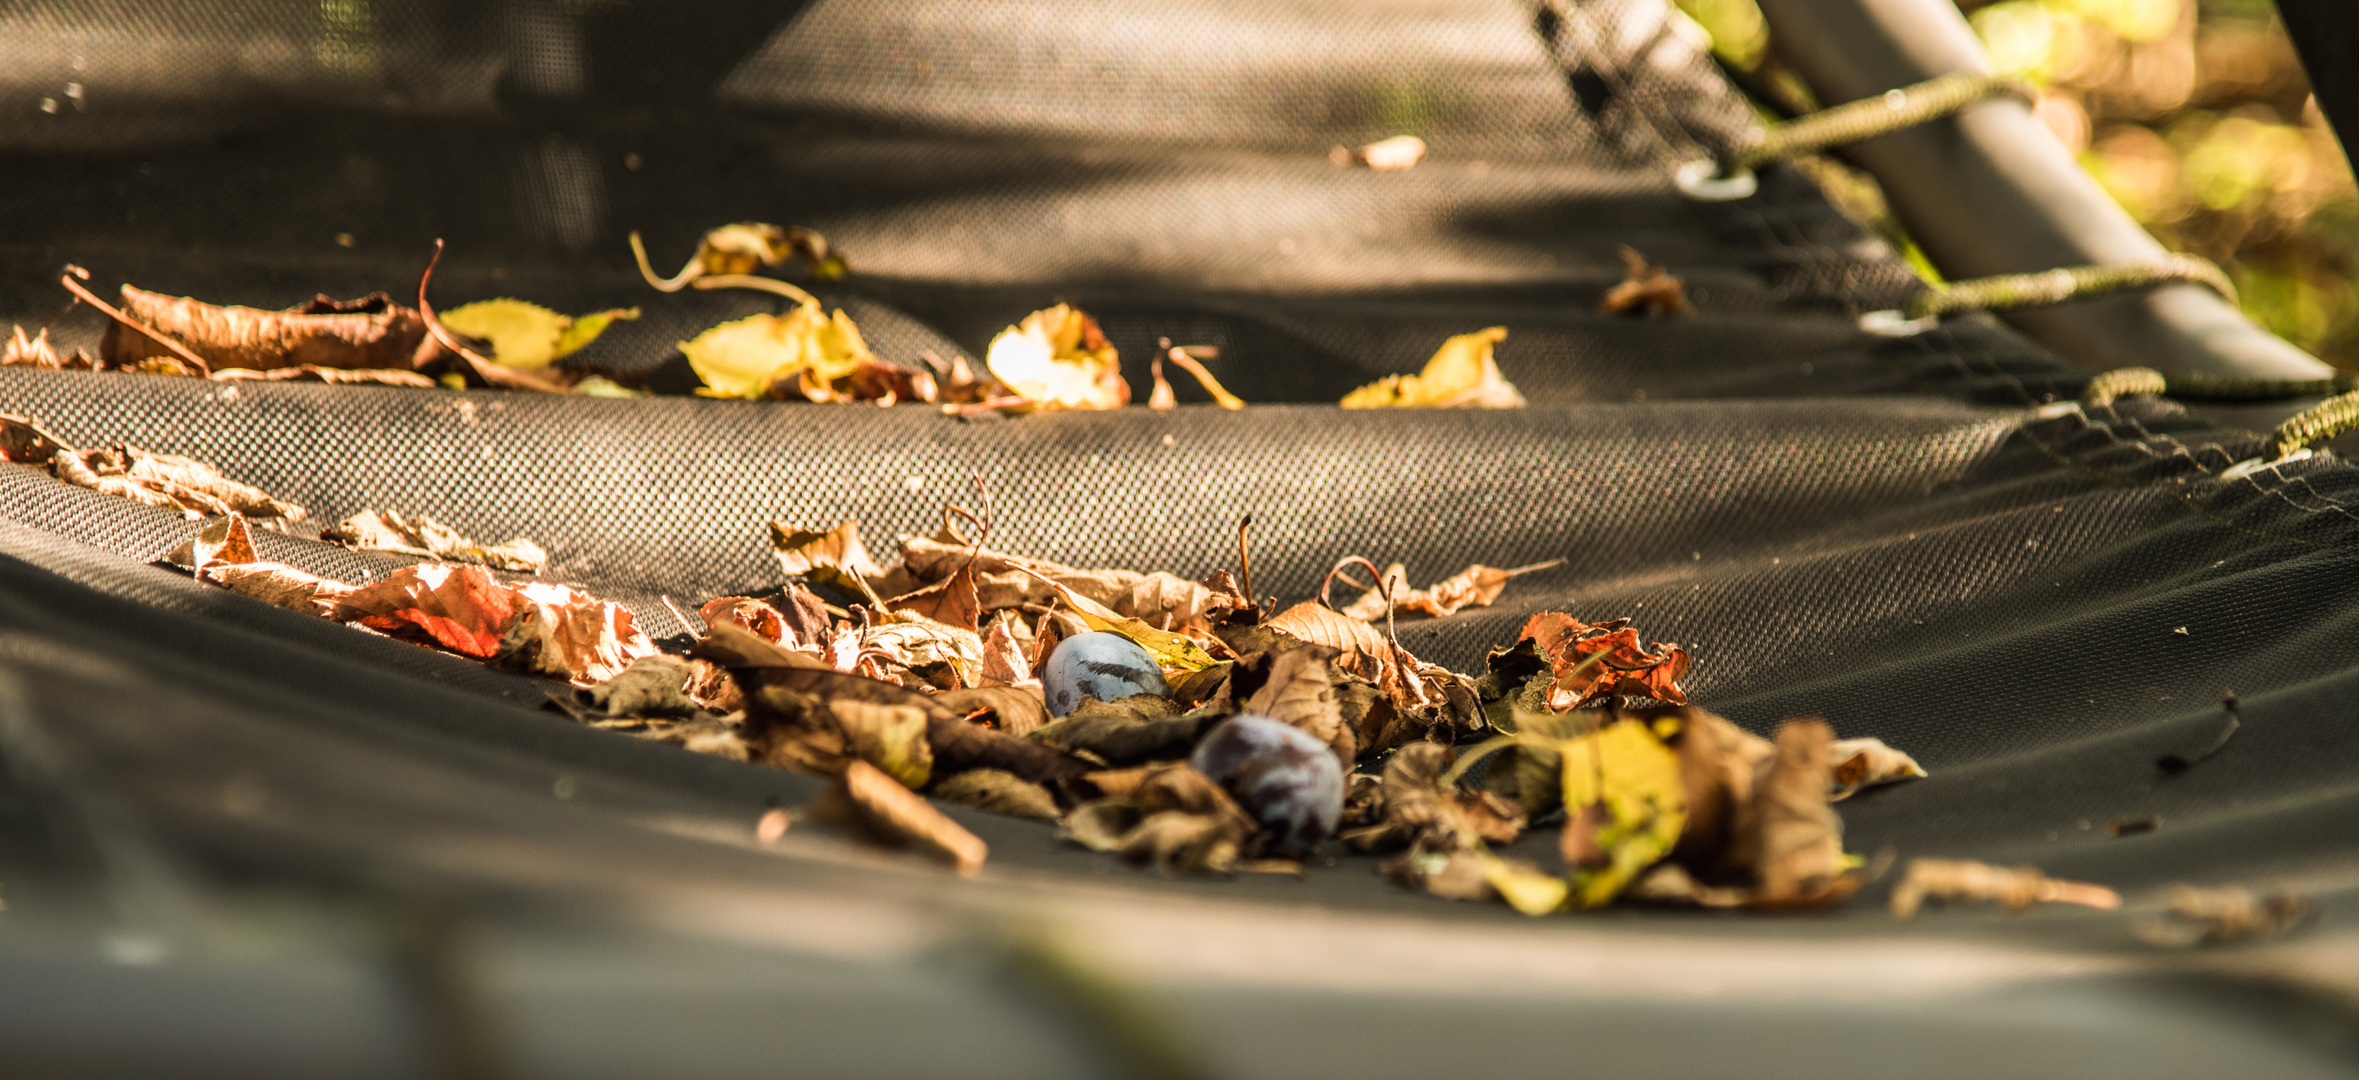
{"x":691,"y":272}
{"x":1245,"y":564}
{"x":434,"y":324}
{"x":1187,"y":362}
{"x":90,"y":298}
{"x":2179,"y":763}
{"x":752,"y":281}
{"x":1382,"y":583}
{"x":680,"y":615}
{"x":982,"y":524}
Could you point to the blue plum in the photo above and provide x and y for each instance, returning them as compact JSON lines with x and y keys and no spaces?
{"x":1102,"y":665}
{"x":1288,"y":781}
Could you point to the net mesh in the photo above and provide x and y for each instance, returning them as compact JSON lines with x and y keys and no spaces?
{"x":1867,"y":529}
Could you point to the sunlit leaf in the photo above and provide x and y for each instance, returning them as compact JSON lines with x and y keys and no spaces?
{"x":1461,"y":375}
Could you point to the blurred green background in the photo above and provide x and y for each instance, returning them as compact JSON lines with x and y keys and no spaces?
{"x":2195,"y":114}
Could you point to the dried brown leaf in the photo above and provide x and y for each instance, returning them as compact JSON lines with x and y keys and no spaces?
{"x":371,"y":332}
{"x":1298,"y":690}
{"x":1015,"y":710}
{"x":2018,"y":888}
{"x":951,"y":601}
{"x":1177,"y":844}
{"x":653,"y":686}
{"x":890,"y":808}
{"x":566,"y":634}
{"x":1144,"y":727}
{"x":316,"y":373}
{"x":225,"y":540}
{"x":1475,"y":586}
{"x":2199,"y":916}
{"x":26,"y":443}
{"x":1099,"y":826}
{"x":388,"y":530}
{"x":1645,"y":289}
{"x":999,"y":792}
{"x":748,"y":614}
{"x":1004,"y":660}
{"x":1797,"y":846}
{"x":835,"y":557}
{"x":280,"y":585}
{"x":1864,"y":763}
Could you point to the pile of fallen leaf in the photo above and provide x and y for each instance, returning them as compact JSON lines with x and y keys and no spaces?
{"x":1054,"y":358}
{"x":921,"y":677}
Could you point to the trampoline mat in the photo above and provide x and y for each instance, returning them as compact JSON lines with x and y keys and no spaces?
{"x":1884,"y":533}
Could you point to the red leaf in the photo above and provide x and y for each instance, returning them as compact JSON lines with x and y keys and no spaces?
{"x":1622,"y":665}
{"x":462,"y":608}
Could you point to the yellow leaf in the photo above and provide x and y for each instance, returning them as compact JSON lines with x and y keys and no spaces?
{"x":525,"y":335}
{"x":1169,"y":649}
{"x":1524,"y":886}
{"x":1057,"y":359}
{"x":1621,"y":784}
{"x":743,"y":359}
{"x":1461,"y":375}
{"x":586,"y":328}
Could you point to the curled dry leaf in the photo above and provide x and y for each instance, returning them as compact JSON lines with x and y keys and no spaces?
{"x":1461,"y":375}
{"x":789,"y":703}
{"x":2197,"y":916}
{"x":1645,"y":289}
{"x":223,"y":553}
{"x":566,"y":634}
{"x":1058,"y":359}
{"x":371,"y":332}
{"x":26,"y":443}
{"x":2017,"y":887}
{"x":1475,"y":586}
{"x":160,"y":480}
{"x":999,"y":792}
{"x":1172,"y":817}
{"x":528,"y":336}
{"x":1413,"y":808}
{"x":1865,"y":763}
{"x":653,"y":686}
{"x":1593,"y":662}
{"x":834,"y":557}
{"x":389,"y":530}
{"x":315,"y":373}
{"x":37,"y":352}
{"x":743,"y":248}
{"x":750,"y":615}
{"x":889,"y":808}
{"x":947,"y":656}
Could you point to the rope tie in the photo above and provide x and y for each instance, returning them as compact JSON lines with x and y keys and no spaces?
{"x":2007,"y":292}
{"x":2291,"y":440}
{"x":1858,"y":121}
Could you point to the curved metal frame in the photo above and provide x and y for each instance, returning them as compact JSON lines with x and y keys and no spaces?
{"x":1991,"y":191}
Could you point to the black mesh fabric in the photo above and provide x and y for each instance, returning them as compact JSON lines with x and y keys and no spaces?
{"x":1880,"y":532}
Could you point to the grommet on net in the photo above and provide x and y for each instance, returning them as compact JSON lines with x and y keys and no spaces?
{"x":1701,"y":180}
{"x":1896,"y":324}
{"x":2249,"y":466}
